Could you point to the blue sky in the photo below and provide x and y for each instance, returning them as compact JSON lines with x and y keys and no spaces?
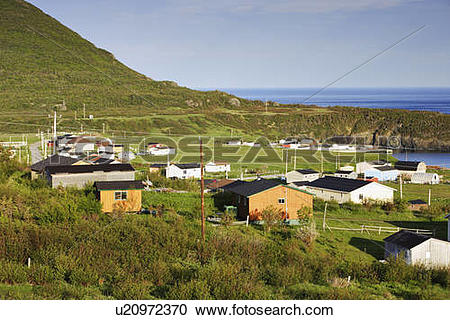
{"x":267,"y":43}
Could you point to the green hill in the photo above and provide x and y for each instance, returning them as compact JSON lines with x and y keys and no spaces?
{"x":43,"y":63}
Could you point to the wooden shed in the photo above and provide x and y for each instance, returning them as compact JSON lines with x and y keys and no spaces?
{"x":120,"y":195}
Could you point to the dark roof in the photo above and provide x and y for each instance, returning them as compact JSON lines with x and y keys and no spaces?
{"x":216,"y":184}
{"x":407,"y":165}
{"x":344,"y":171}
{"x":119,"y":185}
{"x":407,"y":239}
{"x":385,"y":168}
{"x":306,"y":171}
{"x":54,"y":160}
{"x":338,"y":184}
{"x":247,"y":189}
{"x":90,"y":168}
{"x":417,"y":201}
{"x":300,"y":183}
{"x":378,"y":162}
{"x":233,"y":184}
{"x":101,"y":160}
{"x":158,"y":165}
{"x":187,"y":165}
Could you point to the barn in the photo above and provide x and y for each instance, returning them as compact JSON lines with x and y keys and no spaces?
{"x":418,"y":249}
{"x":425,"y":178}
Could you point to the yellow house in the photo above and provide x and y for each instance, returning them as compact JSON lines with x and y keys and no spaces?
{"x":123,"y":196}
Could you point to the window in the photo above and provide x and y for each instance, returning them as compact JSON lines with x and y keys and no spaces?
{"x":361,"y":196}
{"x":281,"y":201}
{"x":184,"y":172}
{"x":120,"y":195}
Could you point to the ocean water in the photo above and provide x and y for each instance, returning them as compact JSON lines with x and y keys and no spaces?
{"x":430,"y":158}
{"x":428,"y":99}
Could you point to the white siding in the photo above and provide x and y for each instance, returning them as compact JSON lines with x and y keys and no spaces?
{"x":433,"y":252}
{"x":295,"y":176}
{"x":174,"y":172}
{"x":329,"y":195}
{"x":373,"y":191}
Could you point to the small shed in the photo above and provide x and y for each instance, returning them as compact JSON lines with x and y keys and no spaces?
{"x":120,"y":195}
{"x":417,"y":205}
{"x":417,"y":248}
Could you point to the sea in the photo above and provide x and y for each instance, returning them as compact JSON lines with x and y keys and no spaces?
{"x":428,"y":99}
{"x":425,"y":99}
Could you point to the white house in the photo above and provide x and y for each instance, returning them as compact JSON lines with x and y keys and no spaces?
{"x":213,"y":167}
{"x":384,"y":173}
{"x":363,"y":166}
{"x":302,"y":175}
{"x":346,"y":174}
{"x":344,"y":190}
{"x":418,"y":249}
{"x":184,"y":171}
{"x":425,"y":178}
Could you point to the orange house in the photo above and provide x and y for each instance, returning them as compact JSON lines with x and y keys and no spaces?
{"x":253,"y":197}
{"x":123,"y":196}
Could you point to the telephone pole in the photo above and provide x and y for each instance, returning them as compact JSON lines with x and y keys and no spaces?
{"x":54,"y":133}
{"x":202,"y":190}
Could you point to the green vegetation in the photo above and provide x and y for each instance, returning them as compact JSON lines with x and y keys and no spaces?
{"x":43,"y":63}
{"x":77,"y":252}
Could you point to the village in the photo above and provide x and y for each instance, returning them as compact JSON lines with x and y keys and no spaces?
{"x":291,"y":196}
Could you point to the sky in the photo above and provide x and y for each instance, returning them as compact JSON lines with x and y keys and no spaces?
{"x":267,"y":43}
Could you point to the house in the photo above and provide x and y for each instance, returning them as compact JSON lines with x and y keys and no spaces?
{"x":302,"y":175}
{"x":425,"y":178}
{"x":184,"y":171}
{"x":120,"y":195}
{"x":407,"y":168}
{"x":383,"y":173}
{"x":80,"y":175}
{"x":361,"y":167}
{"x":448,"y":226}
{"x":417,"y":248}
{"x":38,"y":168}
{"x":417,"y":205}
{"x":251,"y":198}
{"x":157,"y":167}
{"x":349,"y":190}
{"x":346,"y":174}
{"x":214,"y":167}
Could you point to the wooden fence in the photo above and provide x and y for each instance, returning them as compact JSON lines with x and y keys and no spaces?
{"x":380,"y":229}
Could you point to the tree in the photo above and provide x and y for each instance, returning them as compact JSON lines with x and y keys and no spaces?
{"x":271,"y":217}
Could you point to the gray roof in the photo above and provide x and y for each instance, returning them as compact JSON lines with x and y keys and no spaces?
{"x":90,"y":168}
{"x":119,"y":185}
{"x":407,"y":239}
{"x":385,"y":168}
{"x":188,"y":165}
{"x":247,"y":189}
{"x":407,"y":165}
{"x":306,"y":171}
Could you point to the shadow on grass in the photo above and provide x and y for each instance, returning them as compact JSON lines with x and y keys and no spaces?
{"x":373,"y":247}
{"x":438,"y":227}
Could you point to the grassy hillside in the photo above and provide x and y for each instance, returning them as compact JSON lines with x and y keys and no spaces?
{"x":43,"y":63}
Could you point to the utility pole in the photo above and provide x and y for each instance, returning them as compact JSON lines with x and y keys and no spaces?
{"x":202,"y":189}
{"x":429,"y":197}
{"x":321,"y":163}
{"x":103,"y":124}
{"x":287,"y":155}
{"x":295,"y":159}
{"x":75,"y":115}
{"x":401,"y":187}
{"x":84,"y":111}
{"x":54,"y":133}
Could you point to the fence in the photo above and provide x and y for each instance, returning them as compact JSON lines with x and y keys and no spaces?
{"x":381,"y":229}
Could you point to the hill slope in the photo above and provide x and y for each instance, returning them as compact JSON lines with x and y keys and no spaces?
{"x":43,"y":63}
